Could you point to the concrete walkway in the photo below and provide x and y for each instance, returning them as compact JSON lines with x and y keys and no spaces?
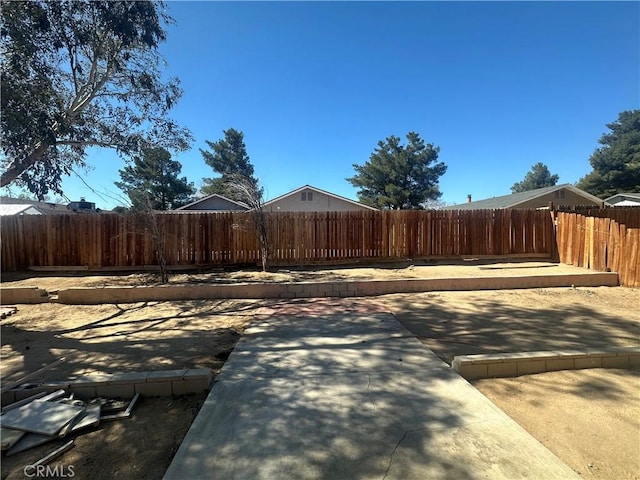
{"x":351,"y":395}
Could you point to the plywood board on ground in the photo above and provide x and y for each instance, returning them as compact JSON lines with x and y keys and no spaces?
{"x":10,"y":437}
{"x":46,"y":418}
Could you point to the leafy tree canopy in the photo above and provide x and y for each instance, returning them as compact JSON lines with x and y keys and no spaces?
{"x":77,"y":74}
{"x":152,"y":181}
{"x":229,"y":158}
{"x":400,"y":176}
{"x":538,"y":177}
{"x":120,"y":209}
{"x":616,"y":165}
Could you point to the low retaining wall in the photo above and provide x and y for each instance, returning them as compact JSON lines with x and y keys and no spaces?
{"x":124,"y":385}
{"x":473,"y":367}
{"x":78,"y":296}
{"x":13,"y":295}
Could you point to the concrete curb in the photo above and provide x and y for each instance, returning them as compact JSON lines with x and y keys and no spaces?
{"x":164,"y":383}
{"x":87,"y":296}
{"x":473,"y":367}
{"x":12,"y":295}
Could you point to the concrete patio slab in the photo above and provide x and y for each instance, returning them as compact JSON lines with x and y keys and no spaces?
{"x":350,"y":396}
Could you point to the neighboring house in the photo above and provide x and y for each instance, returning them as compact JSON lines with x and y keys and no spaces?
{"x":21,"y":206}
{"x":565,"y":195}
{"x":19,"y":209}
{"x":624,"y":200}
{"x":82,"y":206}
{"x":311,"y":199}
{"x":213,"y":203}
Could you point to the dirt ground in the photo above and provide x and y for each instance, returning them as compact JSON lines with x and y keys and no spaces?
{"x":118,"y":338}
{"x":200,"y":334}
{"x":589,"y":418}
{"x":140,"y":447}
{"x":389,"y":271}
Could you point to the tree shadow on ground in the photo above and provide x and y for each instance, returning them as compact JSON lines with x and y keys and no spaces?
{"x":115,"y":277}
{"x":131,"y":337}
{"x":487,"y":324}
{"x":246,"y":274}
{"x":255,"y":276}
{"x":337,"y":402}
{"x":589,"y":383}
{"x":136,"y":448}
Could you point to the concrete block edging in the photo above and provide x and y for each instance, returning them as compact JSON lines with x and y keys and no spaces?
{"x":25,"y":295}
{"x":473,"y":367}
{"x":125,"y":385}
{"x":357,"y":288}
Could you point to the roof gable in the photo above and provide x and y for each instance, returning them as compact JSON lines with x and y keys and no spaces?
{"x":41,"y":207}
{"x":19,"y":209}
{"x":224,"y":200}
{"x":314,"y":189}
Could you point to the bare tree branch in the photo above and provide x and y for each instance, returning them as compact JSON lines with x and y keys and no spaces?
{"x":251,"y":195}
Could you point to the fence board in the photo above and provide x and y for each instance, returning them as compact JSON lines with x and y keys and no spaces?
{"x":602,"y":239}
{"x":114,"y":240}
{"x":632,"y":267}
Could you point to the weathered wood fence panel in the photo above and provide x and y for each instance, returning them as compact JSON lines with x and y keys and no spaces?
{"x":603,"y":240}
{"x":203,"y":239}
{"x":600,"y":239}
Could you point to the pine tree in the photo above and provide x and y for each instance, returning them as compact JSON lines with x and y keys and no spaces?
{"x":616,"y":165}
{"x":399,"y":176}
{"x":538,"y":177}
{"x":229,"y":158}
{"x":152,"y":181}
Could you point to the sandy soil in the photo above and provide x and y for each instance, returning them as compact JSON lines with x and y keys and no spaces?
{"x":139,"y":448}
{"x":589,"y":418}
{"x":389,"y":271}
{"x":122,"y":337}
{"x":129,"y":337}
{"x":506,"y":321}
{"x":167,"y":335}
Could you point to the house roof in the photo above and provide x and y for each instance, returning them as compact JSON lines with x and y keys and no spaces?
{"x":315,"y":189}
{"x":208,"y":197}
{"x":631,"y":198}
{"x":43,"y":207}
{"x":515,"y":199}
{"x":18,"y":209}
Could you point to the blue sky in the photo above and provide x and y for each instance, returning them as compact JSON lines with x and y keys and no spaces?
{"x":498,"y":86}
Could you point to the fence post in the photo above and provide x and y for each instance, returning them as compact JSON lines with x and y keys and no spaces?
{"x":553,"y":247}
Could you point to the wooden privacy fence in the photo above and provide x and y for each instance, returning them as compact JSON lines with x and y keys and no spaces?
{"x":602,"y":240}
{"x":203,"y":239}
